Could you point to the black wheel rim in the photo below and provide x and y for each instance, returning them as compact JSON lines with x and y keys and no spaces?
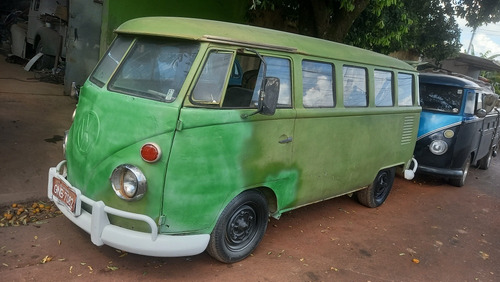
{"x":242,"y":227}
{"x":382,"y":185}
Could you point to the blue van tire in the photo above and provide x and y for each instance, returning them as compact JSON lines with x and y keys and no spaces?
{"x":459,"y":182}
{"x":376,"y":194}
{"x":485,"y":162}
{"x":240,"y":227}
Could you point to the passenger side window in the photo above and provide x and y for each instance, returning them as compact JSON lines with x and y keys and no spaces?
{"x":355,"y":94}
{"x":244,"y":92}
{"x":383,"y":88}
{"x":405,"y":89}
{"x":209,"y":86}
{"x":317,"y":85}
{"x":280,"y":68}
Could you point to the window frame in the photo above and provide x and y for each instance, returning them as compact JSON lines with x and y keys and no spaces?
{"x":332,"y":80}
{"x":366,"y":86}
{"x":392,"y":93}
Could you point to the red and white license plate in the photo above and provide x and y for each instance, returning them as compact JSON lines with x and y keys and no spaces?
{"x":65,"y":194}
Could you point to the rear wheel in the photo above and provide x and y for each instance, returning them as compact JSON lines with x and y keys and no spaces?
{"x":459,"y":182}
{"x":240,"y":227}
{"x":377,"y":192}
{"x":485,"y":162}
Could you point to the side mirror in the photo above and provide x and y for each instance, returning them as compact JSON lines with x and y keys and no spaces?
{"x":270,"y":95}
{"x":489,"y":101}
{"x":481,"y":113}
{"x":497,"y":103}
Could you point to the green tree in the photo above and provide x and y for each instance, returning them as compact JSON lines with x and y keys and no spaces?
{"x":478,"y":12}
{"x":492,"y":76}
{"x":327,"y":19}
{"x":425,"y":28}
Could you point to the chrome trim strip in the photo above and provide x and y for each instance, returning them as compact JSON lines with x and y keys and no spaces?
{"x":439,"y":129}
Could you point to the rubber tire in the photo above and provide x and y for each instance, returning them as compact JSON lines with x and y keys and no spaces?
{"x":485,"y":162}
{"x":376,"y":194}
{"x":459,"y":182}
{"x":240,"y":227}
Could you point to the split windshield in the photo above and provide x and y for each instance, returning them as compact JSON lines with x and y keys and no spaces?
{"x":153,"y":68}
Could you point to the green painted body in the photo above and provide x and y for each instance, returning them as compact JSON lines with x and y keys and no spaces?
{"x":211,"y":154}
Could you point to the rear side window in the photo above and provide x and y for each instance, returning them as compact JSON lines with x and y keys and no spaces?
{"x":354,"y":80}
{"x":155,"y":69}
{"x":383,"y":88}
{"x":110,"y":61}
{"x":317,"y":85}
{"x":405,"y":89}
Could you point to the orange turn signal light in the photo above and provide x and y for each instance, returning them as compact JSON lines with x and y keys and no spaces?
{"x":150,"y":152}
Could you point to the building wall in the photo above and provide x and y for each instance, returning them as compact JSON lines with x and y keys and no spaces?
{"x":82,"y":41}
{"x":92,"y":22}
{"x":117,"y":12}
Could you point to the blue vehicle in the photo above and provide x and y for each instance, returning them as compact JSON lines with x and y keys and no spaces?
{"x":458,"y":126}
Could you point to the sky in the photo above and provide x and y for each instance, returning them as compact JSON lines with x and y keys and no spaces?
{"x":487,"y":38}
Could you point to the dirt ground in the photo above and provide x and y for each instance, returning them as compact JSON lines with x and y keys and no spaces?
{"x":426,"y":231}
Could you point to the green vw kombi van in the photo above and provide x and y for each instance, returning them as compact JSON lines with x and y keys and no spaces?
{"x":190,"y":133}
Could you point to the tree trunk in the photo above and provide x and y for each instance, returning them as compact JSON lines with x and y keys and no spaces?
{"x":342,"y":21}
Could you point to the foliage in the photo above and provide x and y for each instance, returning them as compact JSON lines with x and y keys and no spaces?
{"x":424,"y":28}
{"x":492,"y":76}
{"x":478,"y":12}
{"x":427,"y":28}
{"x":327,"y":19}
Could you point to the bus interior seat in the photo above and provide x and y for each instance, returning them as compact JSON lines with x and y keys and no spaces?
{"x":237,"y":97}
{"x":249,"y":78}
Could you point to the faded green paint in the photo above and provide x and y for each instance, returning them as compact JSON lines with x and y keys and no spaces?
{"x":210,"y":155}
{"x":121,"y":132}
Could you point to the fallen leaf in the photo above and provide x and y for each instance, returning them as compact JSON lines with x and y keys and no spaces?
{"x":417,"y":261}
{"x":46,"y":259}
{"x":112,"y":268}
{"x":484,"y":255}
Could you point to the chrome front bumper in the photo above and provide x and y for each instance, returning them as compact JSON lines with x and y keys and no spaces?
{"x":102,"y":232}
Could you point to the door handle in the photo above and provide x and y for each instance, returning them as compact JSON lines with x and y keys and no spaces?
{"x":287,"y":140}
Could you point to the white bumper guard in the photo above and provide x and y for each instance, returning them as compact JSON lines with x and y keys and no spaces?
{"x":103,"y":232}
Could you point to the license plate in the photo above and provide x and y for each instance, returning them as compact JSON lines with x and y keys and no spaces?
{"x":65,"y":194}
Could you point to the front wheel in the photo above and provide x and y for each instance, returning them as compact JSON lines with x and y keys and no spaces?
{"x":377,"y":192}
{"x":459,"y":182}
{"x":485,"y":162}
{"x":240,"y":227}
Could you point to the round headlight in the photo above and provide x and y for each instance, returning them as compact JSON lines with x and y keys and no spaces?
{"x":128,"y":182}
{"x":438,"y":147}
